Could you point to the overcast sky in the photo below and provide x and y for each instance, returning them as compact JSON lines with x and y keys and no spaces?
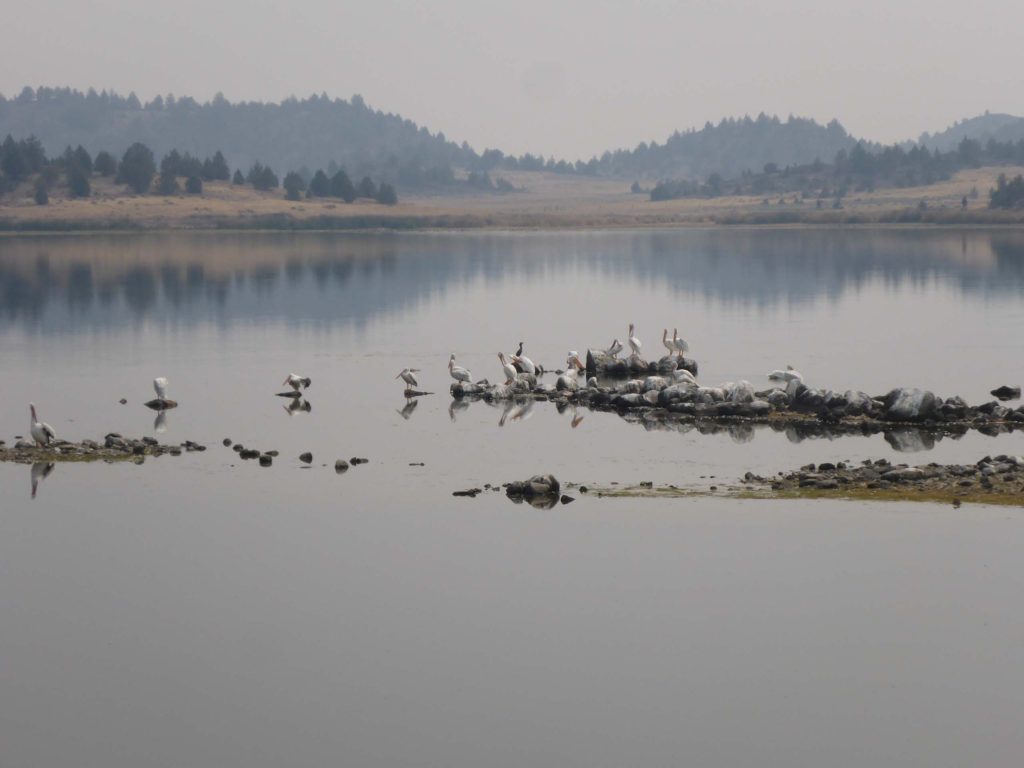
{"x":569,"y":78}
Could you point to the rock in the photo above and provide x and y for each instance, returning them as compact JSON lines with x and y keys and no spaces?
{"x":470,"y":492}
{"x":272,"y":453}
{"x":238,"y":448}
{"x":909,"y":405}
{"x":1006,"y":393}
{"x":227,"y":442}
{"x":122,"y":401}
{"x":266,"y":461}
{"x":538,"y":485}
{"x":161,"y":404}
{"x":567,"y":499}
{"x":356,"y":461}
{"x":23,"y":444}
{"x":249,"y":453}
{"x":292,"y":394}
{"x":340,"y":466}
{"x":903,"y":474}
{"x":829,"y":484}
{"x":306,"y":458}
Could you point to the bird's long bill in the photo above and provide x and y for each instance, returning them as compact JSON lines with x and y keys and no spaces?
{"x":398,"y":376}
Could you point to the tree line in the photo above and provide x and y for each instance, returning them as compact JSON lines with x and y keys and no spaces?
{"x":863,"y":168}
{"x":25,"y":159}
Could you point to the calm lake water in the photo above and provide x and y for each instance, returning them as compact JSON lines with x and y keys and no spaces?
{"x":203,"y":611}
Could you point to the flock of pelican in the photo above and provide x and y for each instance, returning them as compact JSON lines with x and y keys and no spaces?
{"x":512,"y":366}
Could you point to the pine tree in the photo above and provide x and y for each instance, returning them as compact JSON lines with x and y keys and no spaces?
{"x":341,"y":186}
{"x":137,"y":168}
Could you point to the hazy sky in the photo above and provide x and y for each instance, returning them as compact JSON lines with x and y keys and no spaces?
{"x":569,"y":78}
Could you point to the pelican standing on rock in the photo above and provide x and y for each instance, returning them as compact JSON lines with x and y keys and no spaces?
{"x":41,"y":432}
{"x":507,"y":367}
{"x":615,"y":348}
{"x":634,"y":342}
{"x":457,"y":372}
{"x":297,"y":382}
{"x":681,"y":346}
{"x":160,"y":387}
{"x":668,"y":343}
{"x":408,"y":375}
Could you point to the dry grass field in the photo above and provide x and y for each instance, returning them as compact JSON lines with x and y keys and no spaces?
{"x":544,"y":200}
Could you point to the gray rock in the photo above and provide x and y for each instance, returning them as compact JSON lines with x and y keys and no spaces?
{"x":910,"y":405}
{"x":306,"y":458}
{"x":903,"y":474}
{"x":1006,"y":393}
{"x":266,"y":461}
{"x":340,"y":466}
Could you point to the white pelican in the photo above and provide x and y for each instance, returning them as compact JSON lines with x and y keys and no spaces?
{"x":787,"y":375}
{"x":457,"y":372}
{"x":297,"y":382}
{"x":683,"y":376}
{"x":408,"y":375}
{"x":668,"y":343}
{"x":634,"y":342}
{"x":615,"y":348}
{"x":160,"y":386}
{"x":525,"y":363}
{"x":568,"y":379}
{"x":681,"y":346}
{"x":508,"y":368}
{"x":41,"y":432}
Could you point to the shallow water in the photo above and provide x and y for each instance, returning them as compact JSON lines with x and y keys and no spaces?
{"x":200,"y":610}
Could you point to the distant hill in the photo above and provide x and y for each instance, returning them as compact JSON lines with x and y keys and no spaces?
{"x":296,"y":133}
{"x":1000,"y":127}
{"x":729,"y":148}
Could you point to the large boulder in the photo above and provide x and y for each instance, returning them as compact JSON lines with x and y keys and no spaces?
{"x":910,"y":405}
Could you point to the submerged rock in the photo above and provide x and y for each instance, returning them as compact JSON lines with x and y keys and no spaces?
{"x":161,"y":404}
{"x":306,"y":458}
{"x":538,"y":485}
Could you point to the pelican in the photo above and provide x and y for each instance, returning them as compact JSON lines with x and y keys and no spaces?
{"x":457,"y":372}
{"x":160,"y":385}
{"x":681,"y":346}
{"x":408,"y":375}
{"x":297,"y":382}
{"x":634,"y":342}
{"x":525,"y":363}
{"x":683,"y":376}
{"x":41,"y":432}
{"x":507,"y":367}
{"x":39,"y":472}
{"x":568,"y":379}
{"x":668,"y":343}
{"x":787,"y":375}
{"x":615,"y":348}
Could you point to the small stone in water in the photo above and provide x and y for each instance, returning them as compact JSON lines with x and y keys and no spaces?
{"x":306,"y":457}
{"x":227,"y":442}
{"x":238,"y":448}
{"x":266,"y":461}
{"x":340,"y":466}
{"x":356,"y":460}
{"x":567,"y":499}
{"x":122,"y":401}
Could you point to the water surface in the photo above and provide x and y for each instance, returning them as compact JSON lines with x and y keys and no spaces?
{"x":204,"y":611}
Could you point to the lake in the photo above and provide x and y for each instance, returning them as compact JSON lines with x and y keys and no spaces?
{"x":201,"y":610}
